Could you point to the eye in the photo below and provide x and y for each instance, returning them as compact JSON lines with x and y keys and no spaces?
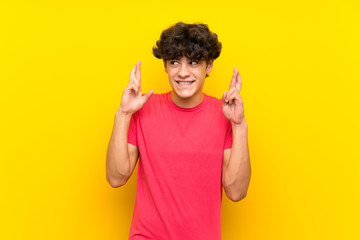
{"x":193,"y":63}
{"x":173,"y":62}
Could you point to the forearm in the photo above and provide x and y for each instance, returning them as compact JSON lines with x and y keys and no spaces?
{"x":237,"y":174}
{"x":118,"y":166}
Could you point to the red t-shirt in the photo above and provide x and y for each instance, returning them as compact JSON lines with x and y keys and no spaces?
{"x":179,"y":187}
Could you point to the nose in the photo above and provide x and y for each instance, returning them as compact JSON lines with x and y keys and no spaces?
{"x":183,"y":71}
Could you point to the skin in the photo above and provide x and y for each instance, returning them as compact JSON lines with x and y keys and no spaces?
{"x":132,"y":100}
{"x":236,"y":162}
{"x":187,"y":70}
{"x":121,"y":156}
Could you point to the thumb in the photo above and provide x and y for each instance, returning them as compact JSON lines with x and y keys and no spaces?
{"x":147,"y":96}
{"x":224,"y":97}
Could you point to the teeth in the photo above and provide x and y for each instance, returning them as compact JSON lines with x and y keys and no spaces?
{"x":183,"y":83}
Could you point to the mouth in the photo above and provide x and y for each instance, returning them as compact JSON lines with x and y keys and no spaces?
{"x":184,"y":83}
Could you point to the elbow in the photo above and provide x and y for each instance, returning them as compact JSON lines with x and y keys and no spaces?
{"x":116,"y":179}
{"x":236,"y":197}
{"x":116,"y":183}
{"x":236,"y":191}
{"x":235,"y":194}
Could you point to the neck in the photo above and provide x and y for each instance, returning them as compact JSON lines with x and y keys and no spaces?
{"x":187,"y":102}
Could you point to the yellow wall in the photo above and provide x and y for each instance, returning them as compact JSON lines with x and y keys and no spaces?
{"x":64,"y":64}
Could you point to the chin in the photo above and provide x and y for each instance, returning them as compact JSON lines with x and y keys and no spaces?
{"x":184,"y":94}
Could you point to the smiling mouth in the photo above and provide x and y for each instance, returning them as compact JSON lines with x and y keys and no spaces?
{"x":184,"y":82}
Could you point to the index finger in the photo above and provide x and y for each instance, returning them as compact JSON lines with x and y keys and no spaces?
{"x":132,"y":73}
{"x":138,"y":72}
{"x":233,"y":80}
{"x":238,"y":83}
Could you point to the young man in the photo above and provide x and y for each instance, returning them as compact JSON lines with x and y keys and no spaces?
{"x":189,"y":143}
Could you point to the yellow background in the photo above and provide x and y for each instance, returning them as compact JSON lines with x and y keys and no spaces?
{"x":64,"y":64}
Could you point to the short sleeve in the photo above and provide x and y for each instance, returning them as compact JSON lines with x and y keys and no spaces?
{"x":228,"y":136}
{"x":132,"y":136}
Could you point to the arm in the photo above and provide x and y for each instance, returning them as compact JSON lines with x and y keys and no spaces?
{"x":236,"y":165}
{"x":236,"y":161}
{"x":121,"y":156}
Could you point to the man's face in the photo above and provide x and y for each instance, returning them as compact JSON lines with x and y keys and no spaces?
{"x":187,"y":77}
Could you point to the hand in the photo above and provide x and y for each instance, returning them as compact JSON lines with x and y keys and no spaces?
{"x":132,"y":100}
{"x":232,"y":104}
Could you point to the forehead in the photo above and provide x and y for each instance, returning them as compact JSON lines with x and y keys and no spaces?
{"x":184,"y":58}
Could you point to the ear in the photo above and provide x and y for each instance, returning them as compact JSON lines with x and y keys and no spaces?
{"x":165,"y":67}
{"x":209,"y":66}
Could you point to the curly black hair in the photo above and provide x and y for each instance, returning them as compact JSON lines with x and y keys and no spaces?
{"x":194,"y":41}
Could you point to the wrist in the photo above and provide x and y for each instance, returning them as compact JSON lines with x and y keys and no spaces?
{"x":121,"y":113}
{"x":240,"y":126}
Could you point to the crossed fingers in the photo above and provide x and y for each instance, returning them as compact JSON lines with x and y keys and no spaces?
{"x":235,"y":80}
{"x":135,"y":79}
{"x":234,"y":88}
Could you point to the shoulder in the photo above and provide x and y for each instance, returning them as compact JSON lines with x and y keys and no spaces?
{"x":156,"y":101}
{"x":215,"y":106}
{"x":157,"y":98}
{"x":213,"y":101}
{"x":212,"y":98}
